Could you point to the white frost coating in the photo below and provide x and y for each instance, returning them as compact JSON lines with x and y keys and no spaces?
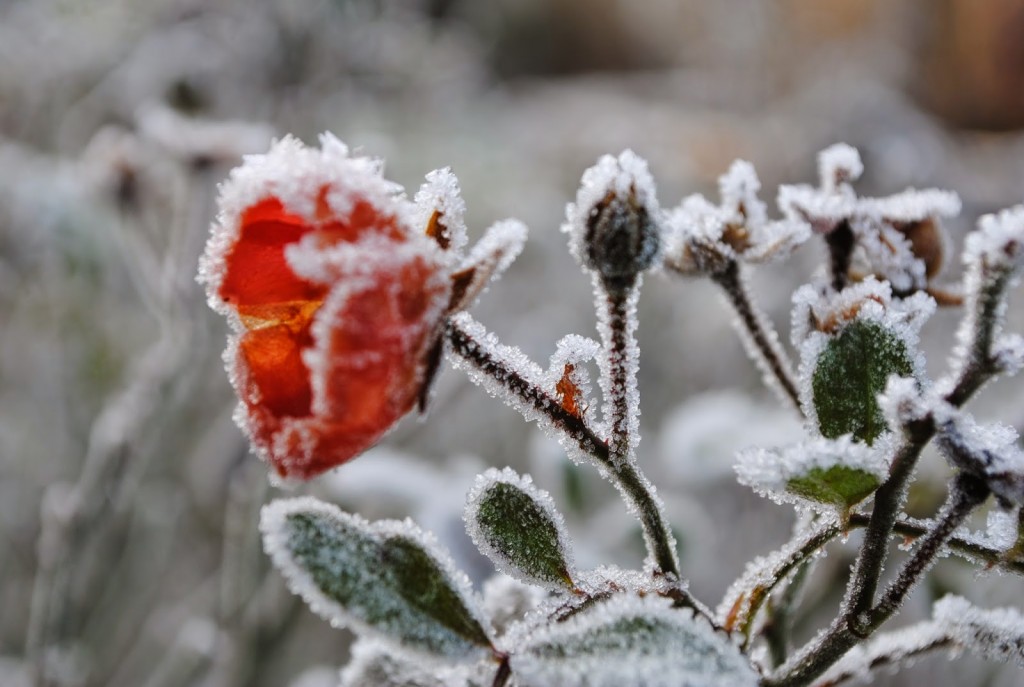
{"x":820,"y":313}
{"x":1008,"y":352}
{"x":888,"y":651}
{"x":993,"y":252}
{"x":524,"y":483}
{"x":839,"y":164}
{"x":996,"y":634}
{"x":375,"y":664}
{"x":1001,"y":529}
{"x":273,"y":525}
{"x":630,"y":640}
{"x":989,"y":450}
{"x":764,"y":571}
{"x":630,"y":361}
{"x":294,"y":174}
{"x":508,"y":601}
{"x":889,"y":254}
{"x":911,"y":205}
{"x":903,"y":402}
{"x":518,"y":362}
{"x":572,"y":354}
{"x":701,"y":237}
{"x":768,"y":471}
{"x":441,"y":193}
{"x":622,"y":176}
{"x":490,"y":257}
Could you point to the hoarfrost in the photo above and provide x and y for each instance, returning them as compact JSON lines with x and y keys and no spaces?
{"x":295,"y":175}
{"x":996,"y":634}
{"x":819,"y":313}
{"x":702,"y":237}
{"x":488,"y":260}
{"x":441,"y":194}
{"x":348,"y":549}
{"x":629,"y":640}
{"x":896,"y":649}
{"x":375,"y":664}
{"x":770,"y":471}
{"x":988,"y":451}
{"x":623,"y":176}
{"x":839,"y":164}
{"x":534,"y":556}
{"x":507,"y":601}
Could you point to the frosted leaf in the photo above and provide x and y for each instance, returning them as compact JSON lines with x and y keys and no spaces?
{"x":911,"y":205}
{"x":614,"y":225}
{"x":1001,"y":529}
{"x":631,"y":641}
{"x":487,"y":261}
{"x":891,"y":650}
{"x":988,"y":451}
{"x":837,"y":334}
{"x":820,"y":472}
{"x":904,"y":402}
{"x":441,"y":212}
{"x":387,"y":578}
{"x":996,"y":634}
{"x":375,"y":664}
{"x":704,"y":238}
{"x":517,"y":526}
{"x":508,"y":601}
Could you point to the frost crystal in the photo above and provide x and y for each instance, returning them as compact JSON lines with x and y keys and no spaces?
{"x":517,"y":526}
{"x":775,"y":472}
{"x":988,"y":451}
{"x":631,"y":641}
{"x":893,"y":649}
{"x":819,"y":314}
{"x":702,"y":237}
{"x":441,"y":211}
{"x":995,"y":634}
{"x":375,"y":664}
{"x":614,"y":225}
{"x":388,"y":578}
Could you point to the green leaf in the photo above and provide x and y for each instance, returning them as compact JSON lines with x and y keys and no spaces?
{"x":849,"y":375}
{"x":516,"y":525}
{"x":631,"y":641}
{"x":386,"y":578}
{"x":839,"y":485}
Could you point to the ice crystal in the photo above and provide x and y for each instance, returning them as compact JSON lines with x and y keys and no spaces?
{"x":895,"y":649}
{"x":441,"y":211}
{"x":631,"y":640}
{"x":989,"y":451}
{"x":518,"y":527}
{"x":842,"y":468}
{"x":702,"y":237}
{"x":996,"y":634}
{"x":388,"y":578}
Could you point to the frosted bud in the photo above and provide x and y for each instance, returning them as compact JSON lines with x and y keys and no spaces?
{"x":614,"y":224}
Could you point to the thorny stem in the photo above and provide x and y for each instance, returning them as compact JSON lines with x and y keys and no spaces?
{"x":978,"y":365}
{"x":966,"y":493}
{"x":625,"y":475}
{"x":763,"y":342}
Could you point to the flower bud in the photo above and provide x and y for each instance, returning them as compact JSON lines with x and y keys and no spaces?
{"x":614,"y":224}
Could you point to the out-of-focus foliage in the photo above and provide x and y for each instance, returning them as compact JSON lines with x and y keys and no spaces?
{"x":128,"y":503}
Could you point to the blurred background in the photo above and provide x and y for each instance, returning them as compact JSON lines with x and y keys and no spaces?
{"x":128,"y":500}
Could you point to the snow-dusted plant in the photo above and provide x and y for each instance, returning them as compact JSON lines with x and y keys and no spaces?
{"x":345,"y":297}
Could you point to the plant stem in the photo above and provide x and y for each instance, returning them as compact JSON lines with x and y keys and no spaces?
{"x":759,"y":336}
{"x":626,"y":476}
{"x":840,"y":242}
{"x":966,"y":493}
